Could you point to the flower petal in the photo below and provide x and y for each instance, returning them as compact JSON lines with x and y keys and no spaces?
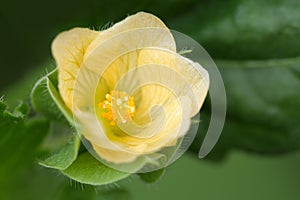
{"x":68,"y":49}
{"x":140,"y":20}
{"x":135,"y":32}
{"x":185,"y":77}
{"x":114,"y":156}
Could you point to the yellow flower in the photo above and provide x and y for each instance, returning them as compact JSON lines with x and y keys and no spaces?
{"x":129,"y":91}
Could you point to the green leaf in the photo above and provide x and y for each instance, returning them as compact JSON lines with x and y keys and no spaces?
{"x":255,"y":44}
{"x":19,"y":113}
{"x":47,"y":100}
{"x":242,"y":29}
{"x":262,"y":101}
{"x":65,"y":156}
{"x":269,"y":91}
{"x":86,"y":169}
{"x":151,"y":177}
{"x":19,"y":142}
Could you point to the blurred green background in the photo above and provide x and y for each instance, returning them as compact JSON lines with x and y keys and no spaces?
{"x":254,"y":43}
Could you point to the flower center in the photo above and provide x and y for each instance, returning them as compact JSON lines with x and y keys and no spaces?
{"x":118,"y":106}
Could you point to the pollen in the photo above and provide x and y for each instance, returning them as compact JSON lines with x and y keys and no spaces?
{"x":117,"y":107}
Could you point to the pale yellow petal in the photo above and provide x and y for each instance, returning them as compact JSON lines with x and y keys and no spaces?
{"x":139,"y":20}
{"x":68,"y":50}
{"x":185,"y":76}
{"x":136,"y":32}
{"x":114,"y":156}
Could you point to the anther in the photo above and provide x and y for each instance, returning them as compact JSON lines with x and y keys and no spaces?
{"x":117,"y":106}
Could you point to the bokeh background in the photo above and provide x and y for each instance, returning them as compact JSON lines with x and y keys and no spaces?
{"x":254,"y":43}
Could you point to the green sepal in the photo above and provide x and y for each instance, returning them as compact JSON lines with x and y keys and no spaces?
{"x":64,"y":157}
{"x":86,"y":169}
{"x":47,"y":100}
